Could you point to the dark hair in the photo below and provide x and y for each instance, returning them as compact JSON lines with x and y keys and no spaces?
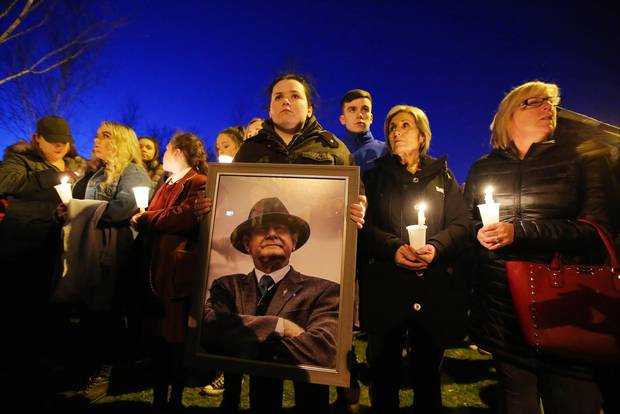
{"x":308,"y":89}
{"x":153,"y":166}
{"x":354,"y":94}
{"x":156,"y":155}
{"x":193,"y":150}
{"x":236,"y":133}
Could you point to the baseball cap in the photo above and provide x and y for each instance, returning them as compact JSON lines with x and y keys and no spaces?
{"x":54,"y":129}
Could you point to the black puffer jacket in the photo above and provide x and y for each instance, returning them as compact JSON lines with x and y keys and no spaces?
{"x":542,"y":195}
{"x":389,"y":294}
{"x":311,"y":145}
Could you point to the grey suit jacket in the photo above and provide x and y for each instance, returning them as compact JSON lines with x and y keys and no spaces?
{"x":231,"y":326}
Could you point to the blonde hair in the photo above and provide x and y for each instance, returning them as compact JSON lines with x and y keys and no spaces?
{"x":125,"y":150}
{"x":421,"y":122}
{"x":500,"y":127}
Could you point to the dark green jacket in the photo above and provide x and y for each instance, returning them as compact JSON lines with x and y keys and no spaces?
{"x":28,"y":180}
{"x":311,"y":145}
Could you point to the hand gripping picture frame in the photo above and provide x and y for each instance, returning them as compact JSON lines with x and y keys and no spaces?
{"x":298,"y":326}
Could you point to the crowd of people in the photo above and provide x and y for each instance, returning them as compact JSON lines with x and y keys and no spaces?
{"x":136,"y":263}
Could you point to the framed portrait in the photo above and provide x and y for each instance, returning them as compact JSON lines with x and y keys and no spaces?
{"x":275,"y":291}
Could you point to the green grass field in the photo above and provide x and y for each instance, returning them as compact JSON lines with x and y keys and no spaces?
{"x":468,"y":386}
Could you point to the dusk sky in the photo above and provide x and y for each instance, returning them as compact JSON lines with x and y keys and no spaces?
{"x":205,"y":65}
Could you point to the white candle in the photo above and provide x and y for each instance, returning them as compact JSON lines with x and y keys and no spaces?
{"x":421,"y":217}
{"x":225,"y":158}
{"x":488,"y":195}
{"x":64,"y":190}
{"x":489,"y":211}
{"x":142,"y":197}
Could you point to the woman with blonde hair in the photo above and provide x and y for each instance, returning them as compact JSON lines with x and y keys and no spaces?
{"x":117,"y":147}
{"x":542,"y":188}
{"x":414,"y":294}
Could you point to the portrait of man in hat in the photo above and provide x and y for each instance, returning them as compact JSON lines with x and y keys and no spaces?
{"x":273,"y":313}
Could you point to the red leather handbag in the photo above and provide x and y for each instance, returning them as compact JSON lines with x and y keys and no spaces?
{"x":571,"y":310}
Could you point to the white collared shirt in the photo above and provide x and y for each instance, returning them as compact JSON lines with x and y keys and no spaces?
{"x":277,"y":276}
{"x":176,"y":177}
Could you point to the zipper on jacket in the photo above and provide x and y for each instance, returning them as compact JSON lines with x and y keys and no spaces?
{"x":517,"y":190}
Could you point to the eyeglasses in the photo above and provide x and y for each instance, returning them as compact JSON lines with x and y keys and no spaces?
{"x":539,"y":100}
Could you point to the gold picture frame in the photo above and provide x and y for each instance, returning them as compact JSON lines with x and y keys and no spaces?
{"x":320,"y":196}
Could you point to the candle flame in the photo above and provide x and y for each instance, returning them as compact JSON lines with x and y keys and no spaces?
{"x":488,"y":195}
{"x":421,"y":217}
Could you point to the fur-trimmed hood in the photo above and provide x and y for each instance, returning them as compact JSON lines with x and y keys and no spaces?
{"x":22,"y":147}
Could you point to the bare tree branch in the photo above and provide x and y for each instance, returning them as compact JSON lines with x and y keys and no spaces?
{"x":8,"y":9}
{"x":48,"y":57}
{"x":18,"y":20}
{"x":83,"y":44}
{"x":82,"y":41}
{"x":130,"y":113}
{"x":26,"y":31}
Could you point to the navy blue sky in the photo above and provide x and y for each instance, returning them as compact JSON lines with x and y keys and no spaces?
{"x":205,"y":65}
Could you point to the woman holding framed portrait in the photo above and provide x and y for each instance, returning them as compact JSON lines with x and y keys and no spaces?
{"x":291,"y":135}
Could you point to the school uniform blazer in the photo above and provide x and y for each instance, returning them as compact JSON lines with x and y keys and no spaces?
{"x":233,"y":326}
{"x":170,"y":231}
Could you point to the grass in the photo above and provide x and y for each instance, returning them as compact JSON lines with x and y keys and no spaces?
{"x":468,"y":386}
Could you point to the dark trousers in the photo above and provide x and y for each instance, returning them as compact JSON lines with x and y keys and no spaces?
{"x":102,"y":334}
{"x":384,"y":357}
{"x":266,"y":396}
{"x":168,"y":369}
{"x":520,"y":390}
{"x":25,"y":319}
{"x":232,"y":393}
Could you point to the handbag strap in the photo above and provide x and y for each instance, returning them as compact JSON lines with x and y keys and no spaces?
{"x":606,"y":238}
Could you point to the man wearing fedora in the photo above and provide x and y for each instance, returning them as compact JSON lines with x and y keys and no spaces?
{"x":273,"y":313}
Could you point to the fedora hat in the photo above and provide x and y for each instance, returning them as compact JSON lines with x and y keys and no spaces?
{"x":270,"y":210}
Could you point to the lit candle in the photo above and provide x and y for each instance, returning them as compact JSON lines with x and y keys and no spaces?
{"x":64,"y":190}
{"x":488,"y":195}
{"x":142,"y":197}
{"x":489,"y":211}
{"x":421,"y":217}
{"x":225,"y":158}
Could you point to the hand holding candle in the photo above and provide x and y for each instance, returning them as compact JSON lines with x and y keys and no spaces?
{"x":489,"y":211}
{"x":64,"y":190}
{"x":142,"y":197}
